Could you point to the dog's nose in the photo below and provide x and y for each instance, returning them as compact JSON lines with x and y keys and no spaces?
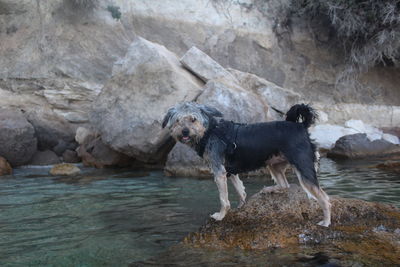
{"x":185,"y":132}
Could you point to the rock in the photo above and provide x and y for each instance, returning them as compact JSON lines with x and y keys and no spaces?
{"x":184,"y":161}
{"x":64,"y":169}
{"x":62,"y":146}
{"x":359,"y":146}
{"x":391,"y":130}
{"x":326,"y":135}
{"x":391,"y":138}
{"x":17,"y":137}
{"x":5,"y":167}
{"x":390,"y":166}
{"x":59,"y":52}
{"x":383,"y":116}
{"x":204,"y":66}
{"x":145,"y":84}
{"x":70,"y":156}
{"x":278,"y":99}
{"x":245,"y":35}
{"x":234,"y":102}
{"x":287,"y":220}
{"x":84,"y":135}
{"x":45,"y":158}
{"x":359,"y":126}
{"x":95,"y":153}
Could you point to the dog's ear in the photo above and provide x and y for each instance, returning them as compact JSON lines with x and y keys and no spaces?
{"x":168,"y":116}
{"x":210,"y":111}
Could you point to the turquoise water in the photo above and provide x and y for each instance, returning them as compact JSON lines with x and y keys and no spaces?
{"x":122,"y":217}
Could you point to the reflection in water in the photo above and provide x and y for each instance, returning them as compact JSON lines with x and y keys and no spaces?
{"x":109,"y":217}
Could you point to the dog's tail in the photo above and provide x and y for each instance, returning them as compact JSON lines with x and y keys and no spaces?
{"x":302,"y":113}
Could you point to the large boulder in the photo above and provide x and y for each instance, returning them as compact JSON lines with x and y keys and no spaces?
{"x":326,"y":135}
{"x":360,"y":146}
{"x":52,"y":131}
{"x":234,"y":102}
{"x":145,"y":84}
{"x":278,"y":99}
{"x":17,"y":137}
{"x":287,"y":220}
{"x":204,"y":66}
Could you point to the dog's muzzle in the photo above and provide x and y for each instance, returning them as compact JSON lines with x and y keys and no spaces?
{"x":185,"y":135}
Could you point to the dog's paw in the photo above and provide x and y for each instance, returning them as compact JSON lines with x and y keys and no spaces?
{"x":218,"y":216}
{"x":273,"y":189}
{"x":241,"y":204}
{"x":324,"y":223}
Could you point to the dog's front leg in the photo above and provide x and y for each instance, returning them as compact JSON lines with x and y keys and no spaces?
{"x":221,"y":181}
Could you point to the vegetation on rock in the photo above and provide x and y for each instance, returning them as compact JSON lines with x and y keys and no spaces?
{"x":368,"y":30}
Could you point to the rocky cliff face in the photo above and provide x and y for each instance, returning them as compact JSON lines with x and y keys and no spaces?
{"x":57,"y":60}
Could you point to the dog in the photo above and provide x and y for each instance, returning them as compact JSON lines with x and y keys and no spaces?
{"x":231,"y":148}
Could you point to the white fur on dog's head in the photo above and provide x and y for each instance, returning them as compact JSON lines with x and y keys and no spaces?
{"x":191,"y":118}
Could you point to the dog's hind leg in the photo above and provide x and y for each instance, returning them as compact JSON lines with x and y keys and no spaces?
{"x":315,"y":192}
{"x":240,"y":189}
{"x":277,"y":172}
{"x":221,"y":181}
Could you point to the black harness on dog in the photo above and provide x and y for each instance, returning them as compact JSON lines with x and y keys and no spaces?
{"x":226,"y":131}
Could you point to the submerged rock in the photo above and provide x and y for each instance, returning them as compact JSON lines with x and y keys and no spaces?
{"x":64,"y":169}
{"x":5,"y":167}
{"x":287,"y":219}
{"x":390,"y":166}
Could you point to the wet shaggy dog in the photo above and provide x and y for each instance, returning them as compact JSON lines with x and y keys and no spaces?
{"x":231,"y":148}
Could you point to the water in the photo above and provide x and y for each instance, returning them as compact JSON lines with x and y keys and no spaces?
{"x":117,"y":217}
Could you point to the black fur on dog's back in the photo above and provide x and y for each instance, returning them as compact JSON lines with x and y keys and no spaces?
{"x":258,"y":142}
{"x":302,"y":113}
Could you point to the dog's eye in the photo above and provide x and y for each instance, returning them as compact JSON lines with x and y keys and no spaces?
{"x":193,"y":119}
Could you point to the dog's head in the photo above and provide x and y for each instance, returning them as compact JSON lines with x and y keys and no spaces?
{"x":189,"y":121}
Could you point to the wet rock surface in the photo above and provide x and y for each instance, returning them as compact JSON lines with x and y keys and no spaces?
{"x":359,"y":146}
{"x":65,"y":169}
{"x":390,"y":166}
{"x":367,"y":232}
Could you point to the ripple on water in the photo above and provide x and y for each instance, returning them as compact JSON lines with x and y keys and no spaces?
{"x":109,"y":217}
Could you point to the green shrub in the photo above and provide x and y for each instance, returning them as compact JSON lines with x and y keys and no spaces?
{"x":115,"y":13}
